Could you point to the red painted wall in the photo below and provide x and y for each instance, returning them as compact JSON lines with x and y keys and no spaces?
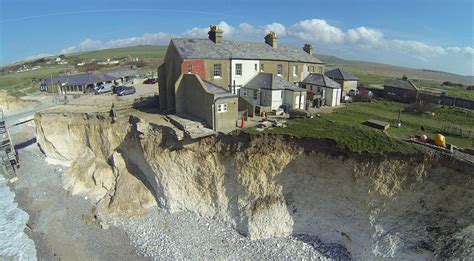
{"x":198,"y":68}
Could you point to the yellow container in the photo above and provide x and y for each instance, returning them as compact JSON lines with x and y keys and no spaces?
{"x":440,"y":140}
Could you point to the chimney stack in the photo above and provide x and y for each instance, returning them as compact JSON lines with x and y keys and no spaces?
{"x":308,"y":48}
{"x":215,"y":34}
{"x":272,"y":39}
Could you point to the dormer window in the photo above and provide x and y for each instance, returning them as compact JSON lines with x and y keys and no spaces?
{"x":190,"y":68}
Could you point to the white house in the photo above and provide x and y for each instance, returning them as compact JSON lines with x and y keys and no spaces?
{"x":272,"y":92}
{"x":322,"y":87}
{"x":242,"y":71}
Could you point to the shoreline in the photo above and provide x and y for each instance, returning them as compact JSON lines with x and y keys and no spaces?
{"x":56,"y":221}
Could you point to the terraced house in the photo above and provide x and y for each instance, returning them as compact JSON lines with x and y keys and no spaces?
{"x":231,"y":65}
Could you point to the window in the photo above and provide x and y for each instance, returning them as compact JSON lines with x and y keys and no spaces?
{"x":279,"y":69}
{"x":311,"y":69}
{"x":262,"y":67}
{"x":238,"y":69}
{"x":256,"y":67}
{"x":255,"y":94}
{"x":245,"y":92}
{"x":295,"y":70}
{"x":217,"y":70}
{"x":190,"y":68}
{"x":222,"y":107}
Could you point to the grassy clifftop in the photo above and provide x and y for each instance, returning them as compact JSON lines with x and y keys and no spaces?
{"x":345,"y":126}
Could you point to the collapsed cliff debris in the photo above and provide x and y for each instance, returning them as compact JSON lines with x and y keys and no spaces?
{"x":376,"y":206}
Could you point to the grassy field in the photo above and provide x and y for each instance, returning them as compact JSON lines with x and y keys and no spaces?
{"x":347,"y":129}
{"x":19,"y":84}
{"x":376,"y":81}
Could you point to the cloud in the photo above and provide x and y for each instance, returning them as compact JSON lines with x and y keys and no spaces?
{"x":201,"y":32}
{"x":365,"y":36}
{"x":278,"y":28}
{"x":468,"y":51}
{"x":317,"y":31}
{"x":91,"y":44}
{"x":419,"y":49}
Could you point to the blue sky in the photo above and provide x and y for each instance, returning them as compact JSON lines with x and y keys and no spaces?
{"x":418,"y":33}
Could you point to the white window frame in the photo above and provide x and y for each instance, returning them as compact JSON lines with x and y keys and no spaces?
{"x":262,"y":67}
{"x":222,"y":107}
{"x":217,"y":70}
{"x":190,"y":68}
{"x":245,"y":92}
{"x":255,"y":95}
{"x":279,"y":69}
{"x":238,"y":69}
{"x":295,"y":70}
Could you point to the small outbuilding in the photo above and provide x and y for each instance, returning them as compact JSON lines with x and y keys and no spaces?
{"x":322,"y":88}
{"x":346,"y":79}
{"x":217,"y":107}
{"x":403,"y":90}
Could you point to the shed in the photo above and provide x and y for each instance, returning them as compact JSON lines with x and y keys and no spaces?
{"x":403,"y":90}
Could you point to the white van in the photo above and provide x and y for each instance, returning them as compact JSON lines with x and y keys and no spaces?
{"x":107,"y":87}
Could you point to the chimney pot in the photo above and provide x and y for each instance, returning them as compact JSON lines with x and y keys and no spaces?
{"x":272,"y":39}
{"x":215,"y":34}
{"x":308,"y":48}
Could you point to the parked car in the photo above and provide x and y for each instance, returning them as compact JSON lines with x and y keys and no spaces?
{"x":353,"y":92}
{"x":151,"y":81}
{"x":116,"y":88}
{"x":104,"y":88}
{"x":125,"y":91}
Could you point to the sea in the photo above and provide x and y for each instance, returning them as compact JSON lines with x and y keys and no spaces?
{"x":14,"y":243}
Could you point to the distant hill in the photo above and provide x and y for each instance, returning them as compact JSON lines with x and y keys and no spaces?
{"x":389,"y":71}
{"x":369,"y":73}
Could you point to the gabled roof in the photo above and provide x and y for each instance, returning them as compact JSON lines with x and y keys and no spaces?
{"x":121,"y":71}
{"x":340,"y":74}
{"x":195,"y":48}
{"x":218,"y":91}
{"x":321,"y":80}
{"x":402,"y":83}
{"x":80,"y":79}
{"x":270,"y":82}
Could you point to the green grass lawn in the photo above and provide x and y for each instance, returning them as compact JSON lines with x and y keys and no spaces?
{"x":346,"y":128}
{"x":19,"y":84}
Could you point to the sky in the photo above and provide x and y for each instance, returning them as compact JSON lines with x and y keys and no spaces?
{"x":436,"y":34}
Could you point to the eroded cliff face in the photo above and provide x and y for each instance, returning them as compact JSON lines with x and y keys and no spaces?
{"x":416,"y":206}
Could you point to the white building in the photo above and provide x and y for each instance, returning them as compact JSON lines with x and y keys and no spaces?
{"x":270,"y":92}
{"x":242,"y":71}
{"x":323,"y":88}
